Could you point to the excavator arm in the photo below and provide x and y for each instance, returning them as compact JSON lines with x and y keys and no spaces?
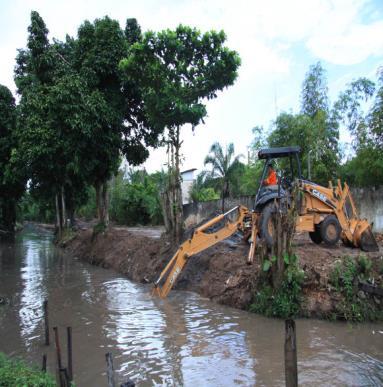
{"x":203,"y":237}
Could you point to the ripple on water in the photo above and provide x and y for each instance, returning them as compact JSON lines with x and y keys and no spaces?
{"x":183,"y":340}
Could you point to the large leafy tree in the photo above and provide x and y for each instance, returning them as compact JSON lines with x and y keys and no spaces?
{"x":365,"y":167}
{"x":224,"y":165}
{"x":11,"y":178}
{"x":77,"y":116}
{"x":315,"y":129}
{"x":98,"y":50}
{"x":56,"y":111}
{"x":314,"y":94}
{"x":176,"y":71}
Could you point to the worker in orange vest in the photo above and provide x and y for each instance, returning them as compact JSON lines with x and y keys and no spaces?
{"x":272,"y":176}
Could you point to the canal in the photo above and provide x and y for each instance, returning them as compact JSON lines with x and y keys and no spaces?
{"x":185,"y":340}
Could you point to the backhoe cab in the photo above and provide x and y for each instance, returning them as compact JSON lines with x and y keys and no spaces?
{"x":327,"y":214}
{"x":288,"y":171}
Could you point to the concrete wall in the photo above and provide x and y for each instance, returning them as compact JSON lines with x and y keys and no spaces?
{"x":369,"y":202}
{"x":194,"y":213}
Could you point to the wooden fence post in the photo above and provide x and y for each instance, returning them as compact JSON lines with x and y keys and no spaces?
{"x":69,"y":349}
{"x":46,"y":321}
{"x":291,"y":366}
{"x":110,"y":369}
{"x":44,"y":365}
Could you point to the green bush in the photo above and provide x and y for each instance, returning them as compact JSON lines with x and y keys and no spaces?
{"x":15,"y":373}
{"x":345,"y":278}
{"x":284,"y":302}
{"x":365,"y":265}
{"x":134,"y":198}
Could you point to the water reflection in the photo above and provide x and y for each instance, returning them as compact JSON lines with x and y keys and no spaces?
{"x":183,"y":340}
{"x":34,"y":290}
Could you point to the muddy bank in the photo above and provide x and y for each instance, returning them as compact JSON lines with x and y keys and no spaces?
{"x":220,"y":272}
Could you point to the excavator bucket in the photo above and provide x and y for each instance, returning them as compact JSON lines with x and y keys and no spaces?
{"x":367,"y":241}
{"x":358,"y":231}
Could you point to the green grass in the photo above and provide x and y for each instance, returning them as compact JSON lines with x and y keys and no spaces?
{"x":345,"y":278}
{"x":16,"y":373}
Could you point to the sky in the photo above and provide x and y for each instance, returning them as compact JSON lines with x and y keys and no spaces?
{"x":277,"y":41}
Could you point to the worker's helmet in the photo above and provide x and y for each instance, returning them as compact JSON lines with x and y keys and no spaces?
{"x":270,"y":164}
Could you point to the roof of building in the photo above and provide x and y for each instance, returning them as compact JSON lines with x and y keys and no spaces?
{"x":189,"y":170}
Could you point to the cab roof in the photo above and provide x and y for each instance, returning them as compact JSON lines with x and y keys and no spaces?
{"x":273,"y":153}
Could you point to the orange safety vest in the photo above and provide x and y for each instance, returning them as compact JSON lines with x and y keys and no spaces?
{"x":271,"y":179}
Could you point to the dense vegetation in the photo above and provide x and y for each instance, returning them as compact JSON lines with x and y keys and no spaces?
{"x":89,"y":101}
{"x":316,"y":130}
{"x":15,"y":373}
{"x":111,"y":93}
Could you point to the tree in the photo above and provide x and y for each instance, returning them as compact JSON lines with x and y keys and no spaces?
{"x":176,"y":71}
{"x":376,"y":114}
{"x":314,"y":94}
{"x":98,"y":50}
{"x":77,"y":116}
{"x":200,"y":192}
{"x":58,"y":121}
{"x":11,"y":179}
{"x":365,"y":168}
{"x":223,"y":166}
{"x":315,"y":129}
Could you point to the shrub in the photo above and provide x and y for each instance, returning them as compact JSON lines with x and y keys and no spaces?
{"x":345,"y":278}
{"x":15,"y":373}
{"x":284,"y":302}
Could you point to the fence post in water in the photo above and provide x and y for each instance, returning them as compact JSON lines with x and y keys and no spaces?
{"x":291,"y":367}
{"x":109,"y":369}
{"x":69,"y":348}
{"x":58,"y":356}
{"x":46,"y":321}
{"x":44,"y":366}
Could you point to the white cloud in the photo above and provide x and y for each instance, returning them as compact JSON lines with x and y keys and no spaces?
{"x":264,"y":32}
{"x":351,"y":45}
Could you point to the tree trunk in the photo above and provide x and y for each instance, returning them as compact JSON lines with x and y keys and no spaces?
{"x":284,"y":221}
{"x":64,"y":219}
{"x":177,"y":205}
{"x":58,"y":216}
{"x":97,"y":188}
{"x":165,"y":204}
{"x":8,"y":220}
{"x":105,"y":203}
{"x":102,"y":202}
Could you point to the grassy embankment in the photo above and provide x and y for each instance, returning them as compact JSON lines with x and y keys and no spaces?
{"x":349,"y":303}
{"x":16,"y":373}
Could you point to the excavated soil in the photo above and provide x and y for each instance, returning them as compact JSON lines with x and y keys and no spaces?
{"x":220,"y":272}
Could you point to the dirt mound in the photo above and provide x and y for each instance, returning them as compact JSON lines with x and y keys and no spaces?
{"x":220,"y":272}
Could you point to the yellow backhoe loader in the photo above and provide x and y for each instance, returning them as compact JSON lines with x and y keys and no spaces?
{"x":327,"y":214}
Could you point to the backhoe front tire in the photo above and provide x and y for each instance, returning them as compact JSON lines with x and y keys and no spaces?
{"x":330,"y":230}
{"x":266,"y":225}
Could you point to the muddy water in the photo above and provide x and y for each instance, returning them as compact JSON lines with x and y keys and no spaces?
{"x":184,"y":340}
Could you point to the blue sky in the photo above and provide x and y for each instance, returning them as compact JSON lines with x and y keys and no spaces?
{"x":277,"y":40}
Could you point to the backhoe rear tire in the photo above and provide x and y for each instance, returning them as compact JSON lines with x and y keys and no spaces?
{"x":330,"y":230}
{"x":315,"y":235}
{"x":266,"y":226}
